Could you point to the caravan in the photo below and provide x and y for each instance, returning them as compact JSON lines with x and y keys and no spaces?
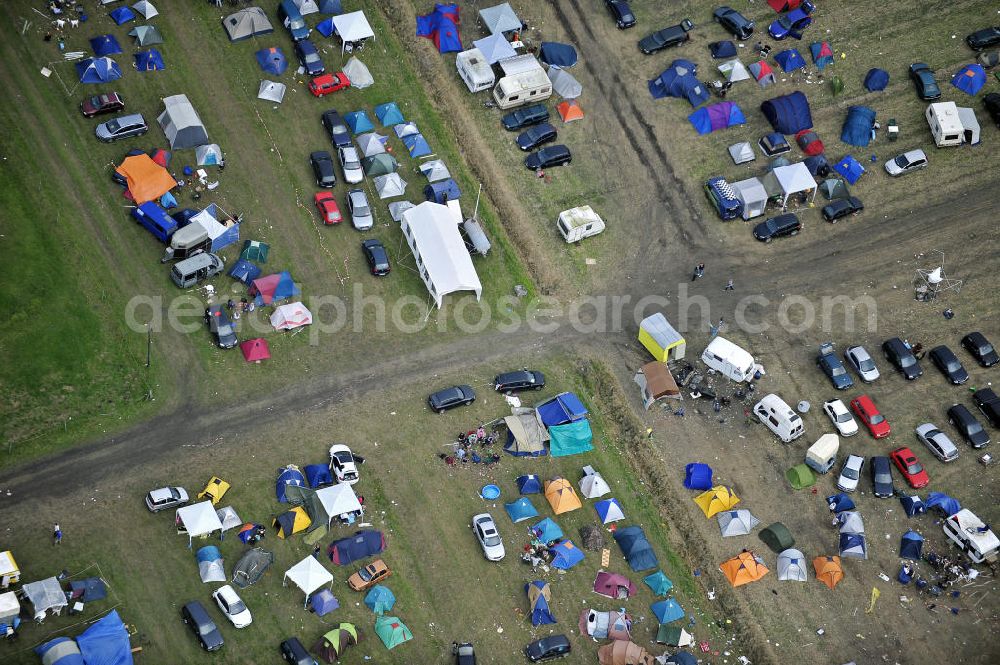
{"x":524,"y":81}
{"x":972,"y":536}
{"x":729,"y":359}
{"x":945,"y":124}
{"x":474,"y":70}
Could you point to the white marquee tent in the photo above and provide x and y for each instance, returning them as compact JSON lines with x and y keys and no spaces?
{"x":199,"y":519}
{"x":442,"y":258}
{"x":352,"y":27}
{"x":45,"y":595}
{"x":789,"y":180}
{"x":338,"y":500}
{"x":308,"y":575}
{"x":500,"y":18}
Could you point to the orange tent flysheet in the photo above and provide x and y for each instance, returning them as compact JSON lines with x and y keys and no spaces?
{"x":570,"y":110}
{"x":828,"y":570}
{"x":561,"y":496}
{"x":145,"y":179}
{"x":743,"y":568}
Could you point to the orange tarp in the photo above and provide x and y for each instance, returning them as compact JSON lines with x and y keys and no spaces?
{"x":146,"y":180}
{"x":744,"y":568}
{"x":570,"y":110}
{"x":561,"y":496}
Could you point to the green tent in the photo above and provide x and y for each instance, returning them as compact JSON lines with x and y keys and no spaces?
{"x":254,"y":250}
{"x":674,"y":636}
{"x":800,"y":477}
{"x":146,"y":35}
{"x":381,"y":164}
{"x":332,"y":645}
{"x":836,"y":85}
{"x":570,"y":439}
{"x":777,"y":537}
{"x":392,"y":631}
{"x":659,"y":583}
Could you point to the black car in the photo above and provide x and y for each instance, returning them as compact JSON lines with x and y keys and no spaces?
{"x":980,"y":348}
{"x":294,"y":652}
{"x":902,"y":358}
{"x":739,"y":25}
{"x":535,"y":136}
{"x":221,"y":326}
{"x":553,"y":155}
{"x":621,"y":12}
{"x":775,"y":227}
{"x":335,"y":127}
{"x":449,"y":398}
{"x":667,"y":37}
{"x":984,"y":38}
{"x":109,"y":102}
{"x":924,"y":81}
{"x":989,"y":405}
{"x":514,"y":381}
{"x":309,"y":58}
{"x":322,"y":164}
{"x":882,"y":477}
{"x":842,"y":208}
{"x":971,"y":430}
{"x":465,"y":653}
{"x":196,"y":617}
{"x":553,"y":646}
{"x":992,"y":104}
{"x":525,"y":117}
{"x":944,"y":359}
{"x":378,"y":260}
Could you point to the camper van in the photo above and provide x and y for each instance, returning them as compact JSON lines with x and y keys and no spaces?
{"x":723,"y":198}
{"x":193,"y":270}
{"x":729,"y":359}
{"x":578,"y":223}
{"x":474,"y":70}
{"x":292,"y":19}
{"x":972,"y":536}
{"x":779,"y":418}
{"x":946,"y":126}
{"x":155,"y":220}
{"x":822,"y":455}
{"x":522,"y":88}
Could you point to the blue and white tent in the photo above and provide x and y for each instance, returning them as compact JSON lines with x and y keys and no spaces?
{"x":561,"y":409}
{"x":520,"y":510}
{"x":290,"y":475}
{"x":840,"y":502}
{"x":210,"y":564}
{"x":98,"y":70}
{"x":853,"y":546}
{"x":913,"y":505}
{"x":538,"y":601}
{"x":609,"y":510}
{"x":667,"y":611}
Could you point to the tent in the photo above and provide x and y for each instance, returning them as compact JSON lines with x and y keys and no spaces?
{"x":546,"y":531}
{"x":858,"y":125}
{"x":209,"y":155}
{"x":723,"y":49}
{"x":561,"y":496}
{"x":784,"y":5}
{"x":658,"y":583}
{"x":520,"y":510}
{"x":210,"y":564}
{"x":743,"y":568}
{"x":45,"y":595}
{"x":388,"y":114}
{"x":736,"y":522}
{"x":273,"y":288}
{"x":380,"y":599}
{"x":716,"y":116}
{"x":222,"y":235}
{"x":734,"y":71}
{"x":255,"y":350}
{"x":655,"y":383}
{"x":252,"y":566}
{"x":853,"y":545}
{"x":308,"y":575}
{"x":271,"y":91}
{"x":754,"y":196}
{"x":371,"y":144}
{"x":530,"y":484}
{"x":290,"y":475}
{"x":742,"y":152}
{"x":592,"y":537}
{"x":822,"y":54}
{"x":332,"y":645}
{"x":358,"y":74}
{"x":247,"y":23}
{"x":358,"y":121}
{"x":561,"y":409}
{"x":792,"y":566}
{"x":392,"y":631}
{"x":777,"y":537}
{"x":98,"y":70}
{"x":441,"y":27}
{"x":539,"y":596}
{"x":697,"y":476}
{"x":850,"y":521}
{"x":716,"y":500}
{"x":291,"y":522}
{"x":790,"y":60}
{"x":88,"y":590}
{"x":945,"y":504}
{"x":198,"y":519}
{"x":323,"y":602}
{"x":417,"y":145}
{"x":290,"y":316}
{"x":525,"y":437}
{"x":912,"y":505}
{"x":762,"y":73}
{"x":437,"y":245}
{"x":679,"y":80}
{"x":554,"y":53}
{"x":565,"y":555}
{"x":876,"y":80}
{"x":435,"y":170}
{"x":146,"y":35}
{"x":970,"y":124}
{"x":181,"y":123}
{"x":609,"y":510}
{"x":840,"y":502}
{"x":773,"y":144}
{"x":660,"y":338}
{"x":850,"y":168}
{"x":571,"y":438}
{"x":244,"y":271}
{"x":667,"y":611}
{"x":564,"y":84}
{"x":801,"y":476}
{"x":229,"y":518}
{"x":593,"y":485}
{"x":306,"y":6}
{"x":405,"y":129}
{"x":329,"y":503}
{"x":254,"y":250}
{"x":613,"y":585}
{"x":122,"y":15}
{"x":809,"y":142}
{"x":105,"y":45}
{"x":828,"y":570}
{"x":379,"y":164}
{"x":390,"y":186}
{"x":988,"y":59}
{"x":636,"y":548}
{"x":836,"y":85}
{"x":105,"y":642}
{"x":494,"y":48}
{"x":361,"y":545}
{"x":145,"y":180}
{"x":621,"y":652}
{"x":910,"y":546}
{"x":788,"y":114}
{"x":145,"y":9}
{"x":677,"y":637}
{"x":817,"y":165}
{"x":352,"y":27}
{"x":606,"y":625}
{"x":569,"y":110}
{"x":500,"y":19}
{"x":318,"y":475}
{"x":248,"y":532}
{"x":970,"y":79}
{"x":272,"y":60}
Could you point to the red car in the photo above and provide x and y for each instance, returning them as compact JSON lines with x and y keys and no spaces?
{"x":864,"y":408}
{"x":109,"y":102}
{"x":327,"y":83}
{"x":910,"y":467}
{"x":328,"y":209}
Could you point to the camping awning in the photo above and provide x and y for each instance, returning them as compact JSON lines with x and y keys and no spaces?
{"x":789,"y":180}
{"x":309,"y":575}
{"x":656,"y":382}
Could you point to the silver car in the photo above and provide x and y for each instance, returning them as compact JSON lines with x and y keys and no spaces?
{"x":937,"y":442}
{"x":908,"y":161}
{"x":851,"y":473}
{"x":858,"y":358}
{"x":359,"y":210}
{"x":122,"y":127}
{"x":351,"y":164}
{"x":488,"y":536}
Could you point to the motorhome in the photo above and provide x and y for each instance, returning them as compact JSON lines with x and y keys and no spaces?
{"x":972,"y":536}
{"x":779,"y":418}
{"x":474,"y":70}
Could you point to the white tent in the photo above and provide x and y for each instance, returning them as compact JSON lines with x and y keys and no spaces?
{"x":442,"y":258}
{"x":146,"y":9}
{"x":371,"y":143}
{"x":199,"y":519}
{"x":338,"y":500}
{"x":495,"y":48}
{"x":788,"y":180}
{"x":742,"y":152}
{"x":397,"y":208}
{"x":308,"y":575}
{"x":306,"y":6}
{"x":389,"y":186}
{"x":753,"y":195}
{"x":500,"y":18}
{"x":209,"y":155}
{"x":352,"y":27}
{"x":271,"y":91}
{"x":357,"y":73}
{"x":734,"y":71}
{"x":229,"y":518}
{"x":736,"y":522}
{"x":564,"y":84}
{"x":45,"y":595}
{"x":593,"y":485}
{"x":612,"y":510}
{"x":851,"y":522}
{"x":181,"y":123}
{"x":10,"y":607}
{"x":435,"y":170}
{"x":292,"y":315}
{"x":792,"y":566}
{"x":405,"y":129}
{"x":970,"y":124}
{"x":247,"y":23}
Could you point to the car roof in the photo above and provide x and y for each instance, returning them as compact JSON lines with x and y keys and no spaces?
{"x":865,"y":402}
{"x":358,"y":194}
{"x":198,"y":611}
{"x":320,"y":155}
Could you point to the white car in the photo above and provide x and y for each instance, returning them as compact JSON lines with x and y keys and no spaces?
{"x":351,"y":164}
{"x":166,"y":497}
{"x":232,"y":607}
{"x":488,"y":536}
{"x":342,"y":464}
{"x":858,"y":358}
{"x":851,"y":473}
{"x":908,"y":161}
{"x":937,"y":442}
{"x":840,"y":417}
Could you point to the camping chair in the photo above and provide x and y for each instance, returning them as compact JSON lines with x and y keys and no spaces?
{"x":892,"y":129}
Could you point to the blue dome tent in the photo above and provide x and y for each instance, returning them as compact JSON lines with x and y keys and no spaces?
{"x":911,"y":545}
{"x":358,"y":122}
{"x":105,"y":45}
{"x":822,"y":54}
{"x":442,"y":191}
{"x":529,"y":484}
{"x":388,"y":114}
{"x":876,"y":79}
{"x":417,"y":145}
{"x":609,"y":510}
{"x":148,"y":61}
{"x":723,"y":49}
{"x":318,"y":475}
{"x":547,"y":531}
{"x":913,"y":505}
{"x":788,"y":114}
{"x":790,"y":60}
{"x":858,"y":125}
{"x":636,"y":548}
{"x":565,"y":555}
{"x":560,"y":55}
{"x":538,"y":602}
{"x":850,"y":168}
{"x":667,"y":611}
{"x":520,"y":510}
{"x":380,"y":599}
{"x":716,"y":116}
{"x":122,"y":15}
{"x":658,"y":583}
{"x":98,"y":70}
{"x":969,"y":79}
{"x":838,"y":503}
{"x":698,"y":476}
{"x":244,"y":271}
{"x":288,"y":476}
{"x":272,"y":60}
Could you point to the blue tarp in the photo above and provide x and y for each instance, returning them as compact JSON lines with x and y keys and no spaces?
{"x":547,"y":530}
{"x":440,"y":26}
{"x":636,"y":548}
{"x":838,"y":503}
{"x":698,"y":476}
{"x":272,"y":60}
{"x":969,"y":79}
{"x":788,"y":114}
{"x":60,"y":651}
{"x":285,"y":478}
{"x":529,"y":484}
{"x":122,"y":15}
{"x":658,"y":583}
{"x":106,"y":642}
{"x":244,"y":271}
{"x":358,"y":121}
{"x":389,"y":114}
{"x":667,"y":611}
{"x":565,"y":555}
{"x":318,"y":475}
{"x":520,"y":510}
{"x":716,"y":116}
{"x":326,"y":27}
{"x":858,"y":125}
{"x":850,"y":168}
{"x":679,"y":80}
{"x":561,"y":409}
{"x":724,"y":49}
{"x":361,"y":545}
{"x":943,"y":503}
{"x":167,"y":201}
{"x":554,"y":53}
{"x":790,"y":60}
{"x":910,"y":545}
{"x":570,"y":439}
{"x":442,"y":191}
{"x":876,"y":79}
{"x":323,"y":602}
{"x":380,"y":599}
{"x":98,"y":70}
{"x":149,"y":61}
{"x":417,"y":145}
{"x":913,"y":505}
{"x":822,"y":54}
{"x":540,"y":613}
{"x":105,"y":45}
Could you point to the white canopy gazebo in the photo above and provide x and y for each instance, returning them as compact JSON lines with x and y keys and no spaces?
{"x":338,"y":500}
{"x":352,"y":27}
{"x":789,"y":180}
{"x":198,"y":519}
{"x":308,"y":575}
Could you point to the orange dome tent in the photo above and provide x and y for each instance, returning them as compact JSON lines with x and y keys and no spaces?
{"x":716,"y":500}
{"x":828,"y":570}
{"x":561,"y":496}
{"x":743,"y":568}
{"x":570,"y":110}
{"x":622,"y":652}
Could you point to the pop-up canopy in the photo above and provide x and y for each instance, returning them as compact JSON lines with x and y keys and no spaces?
{"x":199,"y":519}
{"x":308,"y":575}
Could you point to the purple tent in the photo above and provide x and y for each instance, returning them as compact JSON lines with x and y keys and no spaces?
{"x":716,"y":116}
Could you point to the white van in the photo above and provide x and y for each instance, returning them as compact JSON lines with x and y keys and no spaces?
{"x":522,"y":88}
{"x":972,"y":536}
{"x":729,"y":359}
{"x":474,"y":70}
{"x":779,"y":417}
{"x":578,"y":223}
{"x":192,"y":270}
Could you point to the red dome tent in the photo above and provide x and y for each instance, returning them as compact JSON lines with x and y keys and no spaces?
{"x":809,"y":142}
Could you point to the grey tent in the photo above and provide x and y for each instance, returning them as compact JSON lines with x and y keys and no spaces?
{"x":500,"y":18}
{"x":247,"y":23}
{"x":777,"y":537}
{"x":271,"y":91}
{"x":564,"y":84}
{"x":970,"y":124}
{"x":526,"y":435}
{"x":834,"y":188}
{"x":145,"y":9}
{"x":381,"y":164}
{"x":390,"y":186}
{"x":405,"y":129}
{"x":357,"y":73}
{"x":371,"y":143}
{"x":736,"y":522}
{"x":251,"y":566}
{"x":742,"y":152}
{"x":181,"y":123}
{"x":209,"y":155}
{"x":792,"y":566}
{"x":754,"y":196}
{"x":306,"y":6}
{"x":435,"y":170}
{"x":850,"y":522}
{"x":146,"y":35}
{"x":734,"y":71}
{"x":397,"y":208}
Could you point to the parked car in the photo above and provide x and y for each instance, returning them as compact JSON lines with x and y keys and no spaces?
{"x":937,"y":442}
{"x":351,"y":165}
{"x":734,"y":22}
{"x":326,"y":84}
{"x":946,"y":361}
{"x":621,"y":13}
{"x":840,"y":417}
{"x":510,"y":382}
{"x":547,"y":648}
{"x":465,"y":653}
{"x":911,"y":468}
{"x":842,"y":208}
{"x":233,"y":608}
{"x":776,"y":227}
{"x":912,"y":160}
{"x":359,"y":210}
{"x":866,"y":411}
{"x":793,"y":23}
{"x":980,"y":348}
{"x":667,"y":37}
{"x":989,"y":405}
{"x":829,"y":362}
{"x":992,"y":104}
{"x":971,"y":430}
{"x":340,"y":135}
{"x":122,"y":127}
{"x":221,"y":326}
{"x":850,"y":474}
{"x":882,"y":477}
{"x":924,"y":81}
{"x":108,"y":102}
{"x":489,"y":538}
{"x":553,"y":155}
{"x":369,"y":576}
{"x":857,"y":357}
{"x":309,"y":58}
{"x":902,"y":358}
{"x":449,"y":398}
{"x":536,"y":136}
{"x":328,"y":209}
{"x":342,"y":464}
{"x":375,"y":254}
{"x":195,"y":616}
{"x":984,"y":38}
{"x":322,"y":166}
{"x":293,"y":651}
{"x":165,"y":498}
{"x":525,"y":117}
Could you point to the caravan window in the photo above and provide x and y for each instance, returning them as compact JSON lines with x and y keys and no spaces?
{"x":951,"y":137}
{"x":513,"y":98}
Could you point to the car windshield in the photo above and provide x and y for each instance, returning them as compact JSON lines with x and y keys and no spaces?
{"x":174,"y":493}
{"x":850,"y":473}
{"x":785,"y":22}
{"x":901,"y":161}
{"x":343,"y":456}
{"x":843,"y":417}
{"x":206,"y":628}
{"x":907,"y":360}
{"x":113,"y":126}
{"x":953,"y":365}
{"x":361,"y":211}
{"x":97,"y":100}
{"x":883,"y":478}
{"x":237,"y":607}
{"x":312,"y":57}
{"x":838,"y":371}
{"x":914,"y":469}
{"x":877,"y":419}
{"x":866,"y":365}
{"x":492,"y":541}
{"x":366,"y":574}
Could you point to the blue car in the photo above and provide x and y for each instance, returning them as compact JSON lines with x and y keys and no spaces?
{"x":793,"y":23}
{"x":309,"y":57}
{"x":833,"y":367}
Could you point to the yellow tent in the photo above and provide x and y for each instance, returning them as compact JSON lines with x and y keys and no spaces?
{"x":716,"y":500}
{"x":660,"y":338}
{"x":145,"y":179}
{"x":828,"y":570}
{"x":743,"y":568}
{"x":215,"y":489}
{"x":561,"y":496}
{"x":291,"y":522}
